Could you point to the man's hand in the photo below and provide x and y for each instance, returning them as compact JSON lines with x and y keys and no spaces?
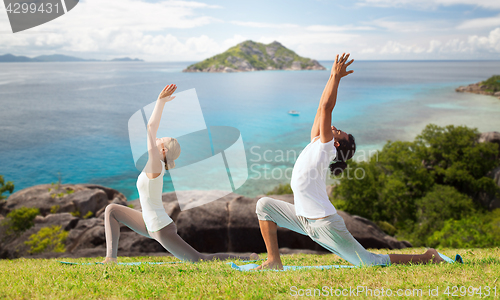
{"x":166,"y":93}
{"x":340,"y":65}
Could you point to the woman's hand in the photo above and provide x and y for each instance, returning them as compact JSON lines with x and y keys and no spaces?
{"x":340,"y":65}
{"x":165,"y":95}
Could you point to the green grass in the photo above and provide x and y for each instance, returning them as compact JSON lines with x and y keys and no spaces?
{"x":46,"y":278}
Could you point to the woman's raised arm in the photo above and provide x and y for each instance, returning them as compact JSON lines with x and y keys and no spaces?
{"x":153,"y":166}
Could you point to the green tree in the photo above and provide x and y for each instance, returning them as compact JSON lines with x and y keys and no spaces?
{"x":454,"y":157}
{"x":440,"y":204}
{"x":394,"y":179}
{"x":5,"y":186}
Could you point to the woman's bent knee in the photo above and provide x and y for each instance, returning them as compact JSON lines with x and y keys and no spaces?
{"x":170,"y":229}
{"x":110,"y":208}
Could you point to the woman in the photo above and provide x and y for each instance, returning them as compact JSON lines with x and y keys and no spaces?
{"x":313,"y":214}
{"x":154,"y":222}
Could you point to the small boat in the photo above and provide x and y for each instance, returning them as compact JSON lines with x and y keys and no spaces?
{"x":293,"y":113}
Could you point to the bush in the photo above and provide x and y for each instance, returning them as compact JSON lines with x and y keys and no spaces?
{"x":442,"y":203}
{"x":89,"y":214}
{"x":54,"y":209}
{"x":476,"y":231}
{"x":5,"y":186}
{"x":282,"y":189}
{"x":20,"y":220}
{"x":48,"y":239}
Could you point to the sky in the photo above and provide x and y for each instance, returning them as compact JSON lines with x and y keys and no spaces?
{"x":319,"y":29}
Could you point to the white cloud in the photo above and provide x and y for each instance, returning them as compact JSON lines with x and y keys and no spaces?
{"x":134,"y":14}
{"x":469,"y":46}
{"x":490,"y":43}
{"x":119,"y":27}
{"x":393,"y":47}
{"x":430,"y":4}
{"x":310,"y":39}
{"x":155,"y":32}
{"x":434,"y":46}
{"x":316,"y":45}
{"x":264,"y":25}
{"x":328,"y":28}
{"x":398,"y":26}
{"x":481,"y":23}
{"x":166,"y":47}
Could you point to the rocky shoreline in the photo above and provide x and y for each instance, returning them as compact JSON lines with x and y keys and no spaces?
{"x":477,"y":88}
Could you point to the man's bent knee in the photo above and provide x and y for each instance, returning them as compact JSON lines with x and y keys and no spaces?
{"x":262,"y":204}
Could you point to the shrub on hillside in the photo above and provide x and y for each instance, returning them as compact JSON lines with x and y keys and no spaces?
{"x":475,"y":231}
{"x":20,"y":220}
{"x":48,"y":239}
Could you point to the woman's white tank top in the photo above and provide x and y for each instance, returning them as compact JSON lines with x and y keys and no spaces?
{"x":150,"y":196}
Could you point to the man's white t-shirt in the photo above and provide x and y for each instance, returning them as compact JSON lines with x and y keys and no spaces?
{"x":309,"y":180}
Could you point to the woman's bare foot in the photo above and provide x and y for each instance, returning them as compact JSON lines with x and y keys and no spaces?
{"x":109,"y":260}
{"x":254,"y":256}
{"x":434,"y":255}
{"x":270,"y":265}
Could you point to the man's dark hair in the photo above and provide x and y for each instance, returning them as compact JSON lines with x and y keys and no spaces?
{"x":345,"y":151}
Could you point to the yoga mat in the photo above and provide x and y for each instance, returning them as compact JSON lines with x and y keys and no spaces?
{"x":120,"y":263}
{"x":134,"y":263}
{"x":249,"y":267}
{"x":458,"y":258}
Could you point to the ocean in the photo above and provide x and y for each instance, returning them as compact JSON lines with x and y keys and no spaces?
{"x":68,"y":121}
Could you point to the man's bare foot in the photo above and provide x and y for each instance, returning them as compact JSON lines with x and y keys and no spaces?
{"x":109,"y":260}
{"x":270,"y":265}
{"x":434,"y":255}
{"x":254,"y":256}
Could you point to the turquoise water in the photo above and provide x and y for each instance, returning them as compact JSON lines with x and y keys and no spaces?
{"x":69,"y":120}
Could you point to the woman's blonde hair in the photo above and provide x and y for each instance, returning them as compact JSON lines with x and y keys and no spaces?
{"x":174,"y":150}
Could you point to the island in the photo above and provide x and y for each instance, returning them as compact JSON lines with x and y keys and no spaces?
{"x":252,"y":56}
{"x":491,"y":87}
{"x":55,"y":58}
